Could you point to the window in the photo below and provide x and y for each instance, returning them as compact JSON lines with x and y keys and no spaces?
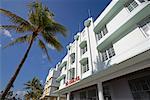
{"x":83,"y":49}
{"x":64,"y":80}
{"x":140,"y":88}
{"x":104,"y":55}
{"x":88,"y":93}
{"x":85,"y":66}
{"x":102,"y":33}
{"x":65,"y":67}
{"x":83,"y":95}
{"x":107,"y":54}
{"x":72,"y":58}
{"x":107,"y":93}
{"x":71,"y":73}
{"x":111,"y":52}
{"x":131,"y":5}
{"x":92,"y":94}
{"x":145,"y":25}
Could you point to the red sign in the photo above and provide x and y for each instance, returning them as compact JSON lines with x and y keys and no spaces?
{"x":72,"y":80}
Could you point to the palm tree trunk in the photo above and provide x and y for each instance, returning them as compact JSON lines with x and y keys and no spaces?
{"x":10,"y":84}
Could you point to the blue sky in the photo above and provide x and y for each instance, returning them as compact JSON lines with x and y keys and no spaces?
{"x":70,"y":13}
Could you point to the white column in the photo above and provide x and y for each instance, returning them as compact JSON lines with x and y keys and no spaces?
{"x":100,"y":91}
{"x":58,"y":98}
{"x":68,"y":96}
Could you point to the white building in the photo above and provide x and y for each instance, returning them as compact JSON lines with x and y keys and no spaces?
{"x":51,"y":85}
{"x":110,"y":58}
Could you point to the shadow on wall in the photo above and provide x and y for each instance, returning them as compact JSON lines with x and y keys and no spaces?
{"x":99,"y":65}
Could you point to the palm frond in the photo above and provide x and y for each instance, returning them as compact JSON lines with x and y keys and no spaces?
{"x":49,"y":38}
{"x":36,"y":13}
{"x":56,"y":28}
{"x":14,"y":18}
{"x":34,"y":89}
{"x":44,"y":48}
{"x":48,"y":13}
{"x":22,"y":39}
{"x":18,"y":29}
{"x":8,"y":27}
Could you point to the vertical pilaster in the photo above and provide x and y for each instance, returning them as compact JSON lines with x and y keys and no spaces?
{"x":100,"y":91}
{"x":68,"y":96}
{"x":58,"y":98}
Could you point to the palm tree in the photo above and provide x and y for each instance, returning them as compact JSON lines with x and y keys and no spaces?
{"x":11,"y":95}
{"x":34,"y":89}
{"x":40,"y":27}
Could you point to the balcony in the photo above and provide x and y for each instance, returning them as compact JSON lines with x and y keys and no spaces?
{"x":128,"y":54}
{"x":128,"y":25}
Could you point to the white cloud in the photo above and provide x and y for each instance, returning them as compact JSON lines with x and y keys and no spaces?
{"x":42,"y":82}
{"x":50,"y":46}
{"x":0,"y":45}
{"x":44,"y":56}
{"x":6,"y":33}
{"x":20,"y":94}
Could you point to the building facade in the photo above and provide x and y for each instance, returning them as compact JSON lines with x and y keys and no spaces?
{"x":52,"y":85}
{"x":110,"y":58}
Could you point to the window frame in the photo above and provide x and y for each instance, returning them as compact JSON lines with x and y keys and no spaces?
{"x":85,"y":66}
{"x":131,"y":5}
{"x":83,"y":50}
{"x":102,"y":32}
{"x":71,"y":73}
{"x":72,"y":58}
{"x":143,"y":23}
{"x":107,"y":54}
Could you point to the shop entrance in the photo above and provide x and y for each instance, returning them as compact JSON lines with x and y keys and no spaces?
{"x":89,"y":93}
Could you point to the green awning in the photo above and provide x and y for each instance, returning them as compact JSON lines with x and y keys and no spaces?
{"x":83,"y":60}
{"x":82,"y":44}
{"x":60,"y":77}
{"x":63,"y":64}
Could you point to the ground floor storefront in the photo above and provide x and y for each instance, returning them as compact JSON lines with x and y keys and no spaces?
{"x":133,"y":86}
{"x":88,"y":93}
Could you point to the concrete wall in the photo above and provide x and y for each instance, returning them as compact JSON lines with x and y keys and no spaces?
{"x":129,"y":41}
{"x":118,"y":20}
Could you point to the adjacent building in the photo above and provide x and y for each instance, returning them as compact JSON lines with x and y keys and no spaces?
{"x":52,"y":85}
{"x":110,"y":58}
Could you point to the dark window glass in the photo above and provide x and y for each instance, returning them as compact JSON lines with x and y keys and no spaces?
{"x":140,"y":88}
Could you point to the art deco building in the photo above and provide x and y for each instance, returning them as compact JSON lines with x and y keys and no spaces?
{"x":110,"y":58}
